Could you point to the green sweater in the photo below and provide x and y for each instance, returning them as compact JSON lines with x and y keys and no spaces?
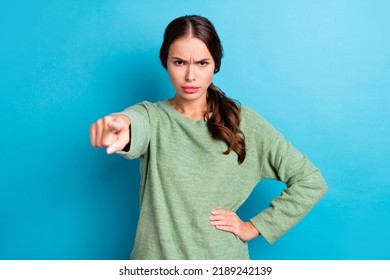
{"x":185,"y":175}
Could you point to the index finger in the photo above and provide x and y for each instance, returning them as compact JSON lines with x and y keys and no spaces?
{"x":115,"y":126}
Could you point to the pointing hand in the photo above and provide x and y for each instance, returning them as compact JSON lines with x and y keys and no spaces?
{"x":112,"y":132}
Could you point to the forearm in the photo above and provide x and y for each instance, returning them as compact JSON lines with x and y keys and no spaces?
{"x":288,"y":209}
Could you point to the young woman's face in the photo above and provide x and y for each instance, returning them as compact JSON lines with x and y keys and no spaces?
{"x":190,"y":68}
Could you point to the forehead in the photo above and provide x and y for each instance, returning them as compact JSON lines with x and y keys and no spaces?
{"x":189,"y":47}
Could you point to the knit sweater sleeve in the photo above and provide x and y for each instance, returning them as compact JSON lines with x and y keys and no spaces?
{"x":305,"y":186}
{"x":139,"y":130}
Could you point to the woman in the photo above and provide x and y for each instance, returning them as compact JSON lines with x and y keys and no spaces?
{"x":201,"y":156}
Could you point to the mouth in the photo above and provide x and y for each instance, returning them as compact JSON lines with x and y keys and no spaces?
{"x":190,"y":89}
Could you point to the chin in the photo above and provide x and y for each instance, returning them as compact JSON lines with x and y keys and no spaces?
{"x":192,"y":96}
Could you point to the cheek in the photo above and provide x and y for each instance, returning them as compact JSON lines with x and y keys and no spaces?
{"x":209,"y":76}
{"x":172,"y":76}
{"x":176,"y":79}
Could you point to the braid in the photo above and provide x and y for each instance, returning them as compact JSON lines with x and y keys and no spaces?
{"x":223,"y":121}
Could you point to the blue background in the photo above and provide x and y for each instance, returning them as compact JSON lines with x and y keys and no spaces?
{"x":319,"y":71}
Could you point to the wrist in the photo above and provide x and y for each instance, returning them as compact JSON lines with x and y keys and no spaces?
{"x":252,"y":230}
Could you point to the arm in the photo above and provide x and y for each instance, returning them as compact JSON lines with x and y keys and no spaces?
{"x":278,"y":160}
{"x":127,"y":133}
{"x":305,"y":187}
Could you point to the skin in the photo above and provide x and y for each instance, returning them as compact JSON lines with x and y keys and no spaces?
{"x":112,"y":132}
{"x":190,"y":64}
{"x":191,"y":70}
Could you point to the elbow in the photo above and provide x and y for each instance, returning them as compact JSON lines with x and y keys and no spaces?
{"x":323,"y":191}
{"x":322,"y":186}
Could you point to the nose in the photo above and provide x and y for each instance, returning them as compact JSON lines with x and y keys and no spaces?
{"x":190,"y":77}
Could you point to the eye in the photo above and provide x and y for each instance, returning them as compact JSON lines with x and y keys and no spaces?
{"x":179,"y":62}
{"x":203,"y":63}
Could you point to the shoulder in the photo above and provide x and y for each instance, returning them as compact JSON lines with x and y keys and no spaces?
{"x":147,"y":108}
{"x":248,"y":113}
{"x":252,"y":123}
{"x":144,"y":105}
{"x":250,"y":117}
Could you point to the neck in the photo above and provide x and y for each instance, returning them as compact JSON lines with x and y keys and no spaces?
{"x":194,"y":109}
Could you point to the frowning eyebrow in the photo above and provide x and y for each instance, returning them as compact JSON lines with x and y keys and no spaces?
{"x":181,"y":59}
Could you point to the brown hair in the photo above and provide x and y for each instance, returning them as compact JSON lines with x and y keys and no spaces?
{"x":223,"y":113}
